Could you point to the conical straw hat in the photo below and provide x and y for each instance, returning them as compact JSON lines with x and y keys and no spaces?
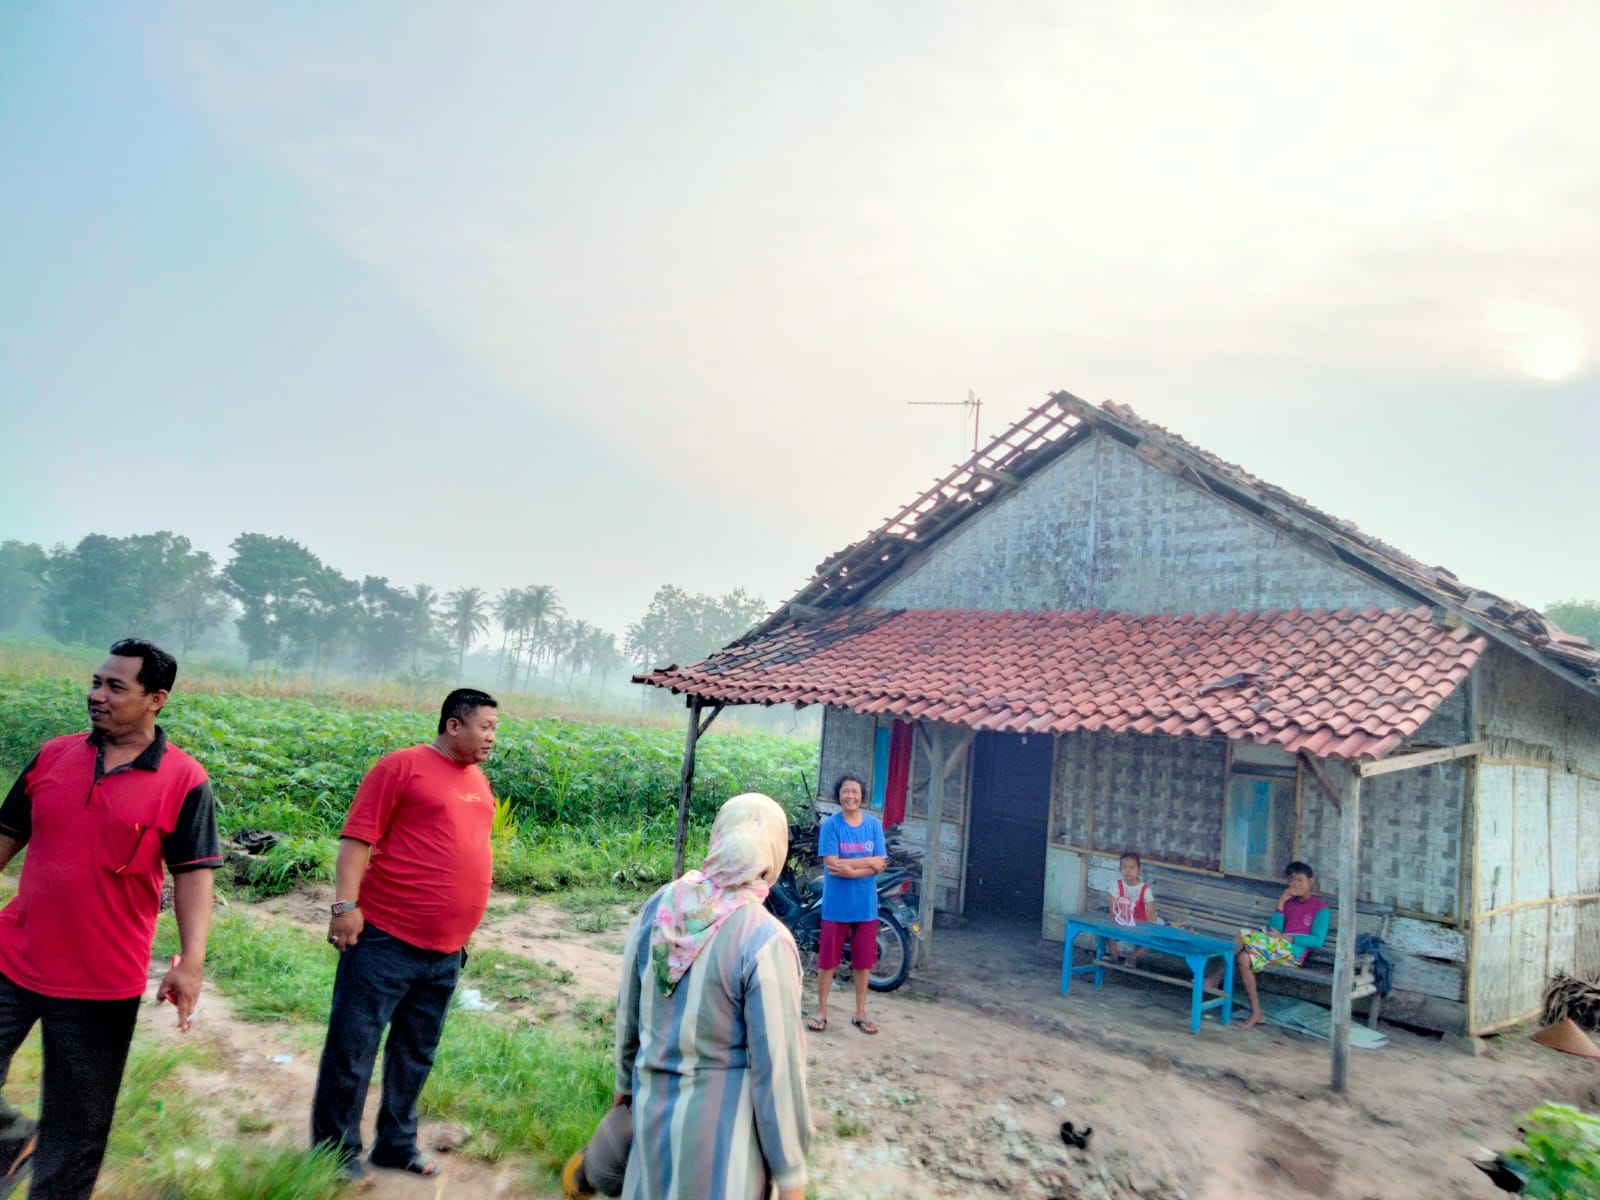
{"x":1565,"y":1036}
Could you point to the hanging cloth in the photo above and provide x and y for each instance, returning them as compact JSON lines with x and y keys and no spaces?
{"x":899,"y":777}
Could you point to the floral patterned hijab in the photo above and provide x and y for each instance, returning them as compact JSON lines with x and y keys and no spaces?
{"x":749,"y":845}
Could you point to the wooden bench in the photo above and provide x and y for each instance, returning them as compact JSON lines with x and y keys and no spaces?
{"x":1211,"y":906}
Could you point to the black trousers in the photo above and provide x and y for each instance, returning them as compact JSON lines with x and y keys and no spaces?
{"x":381,"y":981}
{"x":85,"y":1049}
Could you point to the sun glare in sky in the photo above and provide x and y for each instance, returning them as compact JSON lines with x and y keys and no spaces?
{"x":1538,"y":341}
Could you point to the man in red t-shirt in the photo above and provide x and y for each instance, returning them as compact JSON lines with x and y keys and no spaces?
{"x":412,"y":883}
{"x":100,"y":816}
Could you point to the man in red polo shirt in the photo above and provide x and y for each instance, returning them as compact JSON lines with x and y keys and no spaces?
{"x":99,"y":816}
{"x":411,"y":884}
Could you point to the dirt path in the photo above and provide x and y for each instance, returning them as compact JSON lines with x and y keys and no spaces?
{"x":979,"y":1061}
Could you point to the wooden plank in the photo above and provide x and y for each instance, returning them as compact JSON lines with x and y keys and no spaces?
{"x":934,"y":745}
{"x":1428,"y":939}
{"x":1419,"y":758}
{"x":1429,"y":977}
{"x":1344,"y":966}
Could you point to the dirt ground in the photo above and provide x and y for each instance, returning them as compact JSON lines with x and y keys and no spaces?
{"x":979,"y":1061}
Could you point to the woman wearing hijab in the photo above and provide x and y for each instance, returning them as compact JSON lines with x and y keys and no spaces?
{"x":709,"y":1048}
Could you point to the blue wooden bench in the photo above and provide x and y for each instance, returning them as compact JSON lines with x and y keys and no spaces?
{"x":1196,"y":950}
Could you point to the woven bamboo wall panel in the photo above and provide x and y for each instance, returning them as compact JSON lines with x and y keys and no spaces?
{"x":1525,"y":704}
{"x":1491,"y":971}
{"x":846,"y":746}
{"x":1563,"y":833}
{"x":1530,"y":939}
{"x":1160,"y":796}
{"x":1411,"y":838}
{"x":954,"y":809}
{"x":1563,"y":953}
{"x":1492,"y":882}
{"x":1587,"y":939}
{"x":1163,"y":545}
{"x":1530,"y":848}
{"x":1411,"y":828}
{"x":1070,"y":798}
{"x":1589,"y":835}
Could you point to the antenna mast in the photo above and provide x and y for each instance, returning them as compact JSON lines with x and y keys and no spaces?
{"x":972,"y":404}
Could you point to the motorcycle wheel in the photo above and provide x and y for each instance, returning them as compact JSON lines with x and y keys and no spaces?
{"x":894,"y":955}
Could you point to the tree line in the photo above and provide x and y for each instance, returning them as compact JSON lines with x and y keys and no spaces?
{"x":285,"y":607}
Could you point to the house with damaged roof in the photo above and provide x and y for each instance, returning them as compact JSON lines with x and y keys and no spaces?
{"x":1093,"y":636}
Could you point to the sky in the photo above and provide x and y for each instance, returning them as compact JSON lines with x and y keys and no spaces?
{"x":607,"y":296}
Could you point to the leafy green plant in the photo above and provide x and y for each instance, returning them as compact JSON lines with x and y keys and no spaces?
{"x":292,"y":764}
{"x":505,"y":821}
{"x":1561,"y":1151}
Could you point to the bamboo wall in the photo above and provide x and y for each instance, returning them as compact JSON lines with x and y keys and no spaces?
{"x":1536,"y":852}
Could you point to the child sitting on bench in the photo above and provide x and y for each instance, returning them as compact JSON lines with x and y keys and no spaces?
{"x":1132,"y":901}
{"x":1298,"y":926}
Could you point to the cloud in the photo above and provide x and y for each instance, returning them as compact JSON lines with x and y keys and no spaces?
{"x":734,"y":241}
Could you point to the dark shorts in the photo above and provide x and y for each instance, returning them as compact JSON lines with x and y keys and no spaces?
{"x":863,"y":939}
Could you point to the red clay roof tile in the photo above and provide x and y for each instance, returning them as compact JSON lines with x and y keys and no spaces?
{"x":1375,"y":678}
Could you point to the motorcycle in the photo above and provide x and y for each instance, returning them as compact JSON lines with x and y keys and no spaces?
{"x":797,"y":902}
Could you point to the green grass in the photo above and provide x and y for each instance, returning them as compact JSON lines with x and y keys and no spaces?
{"x":522,"y":1090}
{"x":511,"y":977}
{"x":271,"y":970}
{"x":532,"y":1091}
{"x":162,"y":1147}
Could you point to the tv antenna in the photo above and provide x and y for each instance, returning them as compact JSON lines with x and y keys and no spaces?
{"x":972,"y":404}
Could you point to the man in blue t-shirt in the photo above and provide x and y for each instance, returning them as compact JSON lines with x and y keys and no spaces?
{"x":852,"y":849}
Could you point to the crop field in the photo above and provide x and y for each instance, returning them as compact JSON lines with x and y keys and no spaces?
{"x":585,"y":803}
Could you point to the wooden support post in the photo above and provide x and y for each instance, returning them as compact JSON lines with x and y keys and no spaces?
{"x":686,"y":785}
{"x":1344,"y":953}
{"x":932,"y":742}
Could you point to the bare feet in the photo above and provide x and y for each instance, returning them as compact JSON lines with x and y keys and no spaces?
{"x":1255,"y":1018}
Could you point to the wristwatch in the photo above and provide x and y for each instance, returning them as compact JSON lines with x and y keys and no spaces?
{"x":339,"y":907}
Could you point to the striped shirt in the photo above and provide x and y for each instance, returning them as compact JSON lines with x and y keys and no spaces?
{"x":717,"y":1070}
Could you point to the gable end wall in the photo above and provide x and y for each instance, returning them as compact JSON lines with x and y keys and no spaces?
{"x":1102,"y":528}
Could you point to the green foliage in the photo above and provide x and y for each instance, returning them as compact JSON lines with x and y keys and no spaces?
{"x":681,"y":627}
{"x":1581,"y":617}
{"x":22,"y":567}
{"x":1561,"y":1151}
{"x":291,"y":860}
{"x":147,"y":585}
{"x":602,"y":794}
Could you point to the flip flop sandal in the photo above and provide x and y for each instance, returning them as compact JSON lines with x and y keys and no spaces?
{"x":817,"y":1024}
{"x":570,"y":1176}
{"x":417,"y":1164}
{"x":863,"y":1024}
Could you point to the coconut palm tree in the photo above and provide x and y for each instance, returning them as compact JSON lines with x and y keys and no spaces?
{"x":575,"y":645}
{"x":424,"y":600}
{"x":466,"y":619}
{"x":508,"y":615}
{"x":541,"y":608}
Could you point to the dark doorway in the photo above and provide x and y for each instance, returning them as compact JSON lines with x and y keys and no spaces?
{"x":1010,"y":823}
